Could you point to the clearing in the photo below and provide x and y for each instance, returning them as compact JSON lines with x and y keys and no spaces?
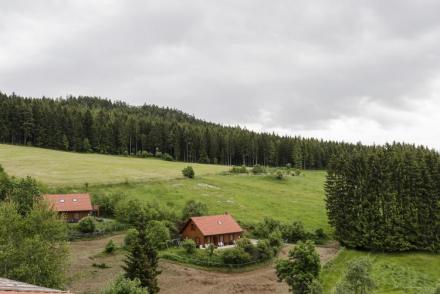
{"x":59,"y":168}
{"x":175,"y":278}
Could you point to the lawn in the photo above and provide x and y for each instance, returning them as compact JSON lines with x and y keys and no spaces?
{"x":394,"y":273}
{"x":58,"y":168}
{"x":248,"y":198}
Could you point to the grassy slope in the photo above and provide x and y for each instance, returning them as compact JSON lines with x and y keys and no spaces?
{"x":248,"y":198}
{"x":396,"y":273}
{"x":59,"y":168}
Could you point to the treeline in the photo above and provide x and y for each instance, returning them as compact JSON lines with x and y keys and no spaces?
{"x":89,"y":124}
{"x":386,"y":198}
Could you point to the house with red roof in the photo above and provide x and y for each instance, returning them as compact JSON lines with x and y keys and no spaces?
{"x":72,"y":206}
{"x":212,"y":229}
{"x":15,"y":287}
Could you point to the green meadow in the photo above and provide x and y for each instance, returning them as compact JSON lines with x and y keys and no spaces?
{"x":248,"y":198}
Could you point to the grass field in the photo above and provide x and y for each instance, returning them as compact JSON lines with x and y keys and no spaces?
{"x":58,"y":168}
{"x":248,"y":198}
{"x":396,"y":273}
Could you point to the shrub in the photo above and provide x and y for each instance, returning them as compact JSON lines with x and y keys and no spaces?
{"x":87,"y":225}
{"x":294,"y":232}
{"x":130,"y":238}
{"x":193,"y":208}
{"x":210,"y":249}
{"x":301,"y":268}
{"x":107,"y":203}
{"x":266,"y":227}
{"x":320,"y":236}
{"x":357,"y":278}
{"x":238,"y":170}
{"x":159,"y":233}
{"x":188,"y":172}
{"x":264,"y":249}
{"x":167,"y":157}
{"x":275,"y":241}
{"x":296,"y":172}
{"x":189,"y":246}
{"x":101,"y":265}
{"x":248,"y":247}
{"x":258,"y":169}
{"x":235,"y":256}
{"x":279,"y":175}
{"x":110,"y":247}
{"x":125,"y":286}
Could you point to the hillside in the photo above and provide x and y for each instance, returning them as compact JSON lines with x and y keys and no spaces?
{"x":58,"y":168}
{"x":94,"y":125}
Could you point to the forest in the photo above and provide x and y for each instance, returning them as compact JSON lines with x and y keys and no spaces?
{"x":91,"y":124}
{"x":386,"y":198}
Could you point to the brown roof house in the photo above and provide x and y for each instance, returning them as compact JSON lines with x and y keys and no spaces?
{"x":213,"y":229}
{"x":14,"y":287}
{"x":72,"y":206}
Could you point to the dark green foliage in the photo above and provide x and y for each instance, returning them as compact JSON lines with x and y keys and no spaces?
{"x":33,"y":246}
{"x":236,"y":256}
{"x":357,"y":278}
{"x":189,"y":246}
{"x":101,"y":265}
{"x":258,"y":169}
{"x":142,"y":260}
{"x":23,"y":192}
{"x":194,"y":208}
{"x":110,"y":247}
{"x":188,"y":172}
{"x":210,"y":249}
{"x":87,"y":225}
{"x":385,"y":198}
{"x":301,"y":269}
{"x":264,"y":249}
{"x":158,"y":233}
{"x":108,"y":203}
{"x":294,"y":232}
{"x":238,"y":170}
{"x":130,"y":238}
{"x":125,"y":286}
{"x":266,"y":227}
{"x":279,"y":175}
{"x":88,"y":124}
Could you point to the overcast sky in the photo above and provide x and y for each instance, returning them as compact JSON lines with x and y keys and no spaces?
{"x":364,"y":71}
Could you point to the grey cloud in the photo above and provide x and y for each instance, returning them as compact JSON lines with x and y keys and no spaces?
{"x":289,"y":64}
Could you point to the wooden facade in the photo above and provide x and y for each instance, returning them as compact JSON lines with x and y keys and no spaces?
{"x":220,"y":231}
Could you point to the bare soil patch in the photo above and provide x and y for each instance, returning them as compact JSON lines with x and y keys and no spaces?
{"x":175,"y":278}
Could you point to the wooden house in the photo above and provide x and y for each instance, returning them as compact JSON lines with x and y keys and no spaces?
{"x":213,"y":229}
{"x":72,"y":206}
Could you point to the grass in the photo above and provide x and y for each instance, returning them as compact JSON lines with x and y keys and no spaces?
{"x":248,"y":198}
{"x":58,"y":168}
{"x":393,"y":273}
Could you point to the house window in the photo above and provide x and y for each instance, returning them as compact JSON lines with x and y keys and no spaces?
{"x":75,"y":200}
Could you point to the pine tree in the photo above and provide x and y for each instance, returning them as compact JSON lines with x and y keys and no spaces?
{"x":142,"y":261}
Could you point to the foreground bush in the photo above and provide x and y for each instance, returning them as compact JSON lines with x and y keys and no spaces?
{"x":357,"y":278}
{"x":238,"y":170}
{"x":188,"y":172}
{"x":235,"y":256}
{"x":87,"y":225}
{"x":258,"y":169}
{"x":125,"y":286}
{"x":385,"y":198}
{"x":189,"y":246}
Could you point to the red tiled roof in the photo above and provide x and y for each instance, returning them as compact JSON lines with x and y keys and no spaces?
{"x":216,"y":224}
{"x":70,"y":202}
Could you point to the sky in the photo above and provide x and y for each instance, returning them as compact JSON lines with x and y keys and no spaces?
{"x":356,"y":71}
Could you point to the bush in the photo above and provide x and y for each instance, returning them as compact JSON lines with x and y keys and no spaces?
{"x":263,"y":229}
{"x":235,"y":256}
{"x":101,"y":265}
{"x":167,"y":157}
{"x":189,"y":246}
{"x":238,"y":170}
{"x":279,"y":175}
{"x":188,"y":172}
{"x":210,"y":249}
{"x":275,"y":241}
{"x":110,"y":247}
{"x":108,"y":203}
{"x":87,"y":225}
{"x":193,"y":208}
{"x":258,"y":169}
{"x":130,"y":238}
{"x":357,"y":278}
{"x":296,"y":172}
{"x":264,"y":249}
{"x":320,"y":236}
{"x":294,"y":232}
{"x":248,"y":247}
{"x":125,"y":286}
{"x":159,"y":233}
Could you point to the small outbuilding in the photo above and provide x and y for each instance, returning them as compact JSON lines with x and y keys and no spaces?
{"x":218,"y":230}
{"x":72,"y":206}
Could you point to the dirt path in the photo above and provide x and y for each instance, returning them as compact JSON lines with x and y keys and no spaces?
{"x":176,"y":278}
